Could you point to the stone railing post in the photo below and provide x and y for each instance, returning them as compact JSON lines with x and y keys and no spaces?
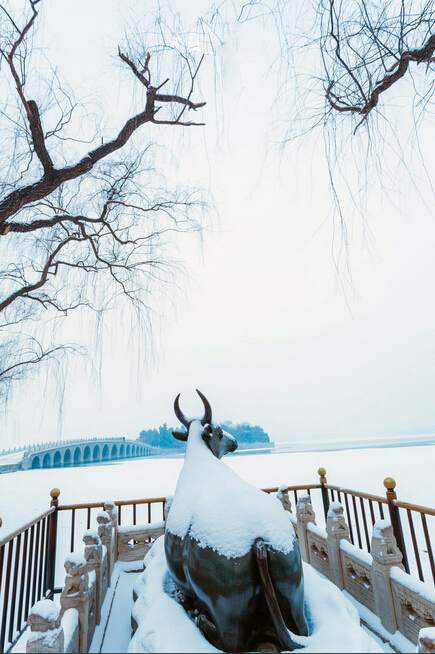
{"x":105,"y":532}
{"x":110,"y":508}
{"x":304,"y":515}
{"x":46,"y":631}
{"x":75,"y":595}
{"x":283,"y":497}
{"x":337,"y":530}
{"x":93,"y":555}
{"x":426,"y":641}
{"x":385,"y":554}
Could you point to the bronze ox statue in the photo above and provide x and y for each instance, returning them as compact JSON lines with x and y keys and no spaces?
{"x":246,"y":600}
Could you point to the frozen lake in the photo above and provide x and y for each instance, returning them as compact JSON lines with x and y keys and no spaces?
{"x":25,"y":494}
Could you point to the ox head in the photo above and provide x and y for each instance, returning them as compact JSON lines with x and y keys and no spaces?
{"x":217,"y":440}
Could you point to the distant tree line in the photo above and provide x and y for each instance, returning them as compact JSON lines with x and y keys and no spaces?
{"x":242,"y":432}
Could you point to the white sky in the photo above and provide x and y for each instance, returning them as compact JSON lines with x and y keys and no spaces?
{"x":263,"y":327}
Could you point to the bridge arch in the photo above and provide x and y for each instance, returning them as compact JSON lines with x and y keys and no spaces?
{"x":87,"y":454}
{"x":58,"y":455}
{"x":96,"y":455}
{"x":67,"y":458}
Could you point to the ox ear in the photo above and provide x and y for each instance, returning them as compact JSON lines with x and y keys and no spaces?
{"x":180,"y":435}
{"x":207,"y":432}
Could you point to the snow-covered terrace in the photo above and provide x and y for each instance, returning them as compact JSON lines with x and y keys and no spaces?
{"x":336,"y":626}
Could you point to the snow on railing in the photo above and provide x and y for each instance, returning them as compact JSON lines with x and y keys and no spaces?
{"x":87,"y":579}
{"x":376,"y":580}
{"x":33,"y":544}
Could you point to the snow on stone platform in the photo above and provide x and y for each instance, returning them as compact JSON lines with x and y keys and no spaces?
{"x":164,"y":626}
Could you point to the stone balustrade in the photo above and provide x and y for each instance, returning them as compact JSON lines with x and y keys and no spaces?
{"x":87,"y":579}
{"x":376,"y":580}
{"x":70,"y":629}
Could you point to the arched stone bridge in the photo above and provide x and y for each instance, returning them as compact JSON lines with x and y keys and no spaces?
{"x":76,"y":453}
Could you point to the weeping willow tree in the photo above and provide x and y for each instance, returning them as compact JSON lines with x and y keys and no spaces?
{"x":86,"y":221}
{"x":356,"y":88}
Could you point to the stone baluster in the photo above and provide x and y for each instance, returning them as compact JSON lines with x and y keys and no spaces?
{"x":110,"y":508}
{"x":105,"y":532}
{"x":75,"y":595}
{"x":46,"y":631}
{"x":337,"y":530}
{"x":304,"y":515}
{"x":283,"y":497}
{"x":426,"y":641}
{"x":385,"y":554}
{"x":93,"y":556}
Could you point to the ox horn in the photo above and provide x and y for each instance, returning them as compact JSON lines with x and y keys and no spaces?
{"x":180,"y":415}
{"x":206,"y":420}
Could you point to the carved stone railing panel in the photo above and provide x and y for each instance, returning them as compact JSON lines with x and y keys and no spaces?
{"x":135,"y":542}
{"x":414,"y":607}
{"x":357,"y":578}
{"x":319,"y":557}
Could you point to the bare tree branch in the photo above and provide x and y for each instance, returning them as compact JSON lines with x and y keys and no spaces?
{"x":53,"y":177}
{"x":80,"y":232}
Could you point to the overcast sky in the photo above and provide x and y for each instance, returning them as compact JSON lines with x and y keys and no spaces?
{"x":263,"y":326}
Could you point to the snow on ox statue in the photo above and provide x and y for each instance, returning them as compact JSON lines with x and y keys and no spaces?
{"x":231,"y":548}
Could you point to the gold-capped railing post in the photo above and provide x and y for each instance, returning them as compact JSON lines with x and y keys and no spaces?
{"x":54,"y":494}
{"x":390,"y":485}
{"x":50,"y":562}
{"x":325,"y":498}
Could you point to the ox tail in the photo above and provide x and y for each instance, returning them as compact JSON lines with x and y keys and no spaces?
{"x":271,"y":599}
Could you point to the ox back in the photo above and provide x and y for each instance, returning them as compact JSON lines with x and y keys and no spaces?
{"x":231,"y":593}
